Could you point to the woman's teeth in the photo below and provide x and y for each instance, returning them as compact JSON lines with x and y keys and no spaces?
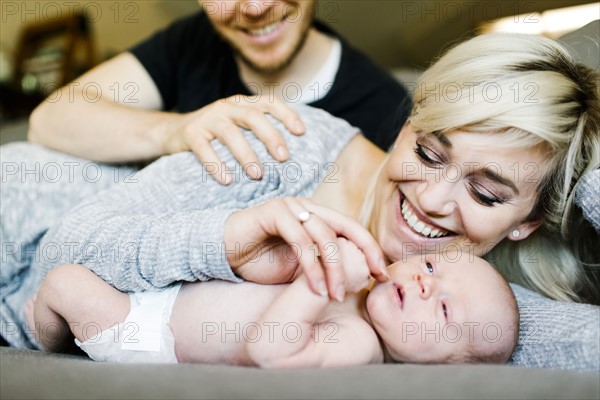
{"x":419,"y":226}
{"x":264,"y":30}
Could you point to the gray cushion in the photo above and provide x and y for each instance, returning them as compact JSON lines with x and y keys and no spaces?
{"x":33,"y":374}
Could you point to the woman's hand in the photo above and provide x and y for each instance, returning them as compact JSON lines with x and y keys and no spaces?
{"x":273,"y":242}
{"x":222,"y":120}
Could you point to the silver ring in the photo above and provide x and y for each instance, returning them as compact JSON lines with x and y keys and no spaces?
{"x":304,"y":216}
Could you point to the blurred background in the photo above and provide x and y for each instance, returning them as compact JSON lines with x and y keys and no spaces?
{"x":44,"y":44}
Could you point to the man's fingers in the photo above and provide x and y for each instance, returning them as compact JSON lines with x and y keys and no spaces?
{"x":256,"y":121}
{"x":231,"y":136}
{"x":284,"y":113}
{"x":210,"y":160}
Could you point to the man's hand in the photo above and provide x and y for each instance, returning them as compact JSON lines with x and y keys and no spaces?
{"x":222,"y":120}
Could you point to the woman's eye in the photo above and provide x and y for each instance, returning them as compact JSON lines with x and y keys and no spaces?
{"x":484,"y":199}
{"x":423,"y":155}
{"x":430,"y":269}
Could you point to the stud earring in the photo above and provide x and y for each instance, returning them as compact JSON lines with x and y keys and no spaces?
{"x":515,"y":234}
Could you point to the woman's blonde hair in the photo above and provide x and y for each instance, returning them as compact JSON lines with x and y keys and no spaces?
{"x":529,"y":90}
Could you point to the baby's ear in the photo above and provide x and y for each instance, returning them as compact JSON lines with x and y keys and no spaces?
{"x":523,"y":230}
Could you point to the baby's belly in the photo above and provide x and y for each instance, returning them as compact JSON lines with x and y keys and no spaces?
{"x":212,"y":321}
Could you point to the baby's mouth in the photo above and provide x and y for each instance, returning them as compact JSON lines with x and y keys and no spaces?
{"x":417,"y":225}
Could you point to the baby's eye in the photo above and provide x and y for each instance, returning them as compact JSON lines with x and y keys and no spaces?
{"x":430,"y":269}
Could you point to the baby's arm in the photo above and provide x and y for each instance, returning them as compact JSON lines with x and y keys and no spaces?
{"x":299,"y":307}
{"x":70,"y":301}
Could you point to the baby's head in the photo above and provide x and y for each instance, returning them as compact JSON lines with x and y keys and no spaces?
{"x":436,"y":311}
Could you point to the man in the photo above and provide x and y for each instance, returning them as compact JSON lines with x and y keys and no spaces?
{"x":268,"y":51}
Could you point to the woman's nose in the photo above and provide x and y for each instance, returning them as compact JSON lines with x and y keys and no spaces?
{"x":436,"y":196}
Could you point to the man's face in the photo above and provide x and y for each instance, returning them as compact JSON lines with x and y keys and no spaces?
{"x":266,"y":35}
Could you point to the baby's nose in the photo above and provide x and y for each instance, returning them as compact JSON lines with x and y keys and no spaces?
{"x":425,"y":285}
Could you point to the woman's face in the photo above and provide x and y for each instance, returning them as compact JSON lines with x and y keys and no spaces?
{"x":460,"y":191}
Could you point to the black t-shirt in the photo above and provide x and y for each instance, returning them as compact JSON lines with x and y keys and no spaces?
{"x":192,"y":67}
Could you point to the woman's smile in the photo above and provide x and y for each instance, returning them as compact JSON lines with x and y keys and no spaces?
{"x":412,"y":227}
{"x":417,"y":222}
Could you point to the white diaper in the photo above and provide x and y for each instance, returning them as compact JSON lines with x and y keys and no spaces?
{"x":144,"y":337}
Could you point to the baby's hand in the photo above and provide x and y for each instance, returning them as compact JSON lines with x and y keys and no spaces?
{"x":354,"y":264}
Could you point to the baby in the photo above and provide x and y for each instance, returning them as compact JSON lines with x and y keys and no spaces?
{"x":431,"y":310}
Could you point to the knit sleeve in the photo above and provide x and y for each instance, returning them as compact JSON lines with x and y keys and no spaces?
{"x":164,"y":225}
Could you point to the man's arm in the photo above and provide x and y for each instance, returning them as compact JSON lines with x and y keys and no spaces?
{"x":108,"y":114}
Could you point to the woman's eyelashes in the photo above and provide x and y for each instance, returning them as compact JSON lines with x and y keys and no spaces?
{"x":483,"y":196}
{"x":479,"y":193}
{"x":427,"y":156}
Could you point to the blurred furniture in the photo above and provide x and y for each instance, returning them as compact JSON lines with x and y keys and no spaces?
{"x":33,"y":55}
{"x":49,"y":54}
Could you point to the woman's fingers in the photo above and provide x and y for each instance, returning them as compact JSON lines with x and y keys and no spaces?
{"x":323,"y":226}
{"x":311,"y":234}
{"x":325,"y":250}
{"x":351,"y":229}
{"x":289,"y":225}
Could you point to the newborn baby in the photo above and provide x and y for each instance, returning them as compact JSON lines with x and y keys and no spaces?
{"x":431,"y":310}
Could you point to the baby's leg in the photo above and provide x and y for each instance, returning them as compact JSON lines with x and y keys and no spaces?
{"x":71,"y":300}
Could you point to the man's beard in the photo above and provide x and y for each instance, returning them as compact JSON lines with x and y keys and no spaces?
{"x":273,"y":68}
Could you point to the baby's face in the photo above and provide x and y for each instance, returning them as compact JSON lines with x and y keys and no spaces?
{"x":433,"y":310}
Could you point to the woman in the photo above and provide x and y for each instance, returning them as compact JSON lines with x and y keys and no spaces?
{"x":502,"y":130}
